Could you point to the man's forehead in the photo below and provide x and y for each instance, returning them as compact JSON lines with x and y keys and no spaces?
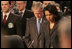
{"x":46,"y":1}
{"x":20,"y":1}
{"x":4,"y":2}
{"x":37,"y":11}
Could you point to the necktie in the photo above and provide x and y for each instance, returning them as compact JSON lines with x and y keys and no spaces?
{"x":21,"y":14}
{"x":38,"y":25}
{"x":4,"y":20}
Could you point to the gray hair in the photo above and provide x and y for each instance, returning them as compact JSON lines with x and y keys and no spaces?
{"x":25,"y":2}
{"x":65,"y":26}
{"x":37,"y":5}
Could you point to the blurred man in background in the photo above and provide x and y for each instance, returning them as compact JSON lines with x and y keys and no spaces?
{"x":65,"y":32}
{"x":24,"y":14}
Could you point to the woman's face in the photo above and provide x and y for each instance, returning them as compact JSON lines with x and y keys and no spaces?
{"x":49,"y":16}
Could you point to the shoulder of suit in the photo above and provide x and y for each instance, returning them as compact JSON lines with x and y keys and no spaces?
{"x":27,"y":19}
{"x":44,"y":21}
{"x":28,"y":10}
{"x":14,"y":14}
{"x":30,"y":19}
{"x":1,"y":13}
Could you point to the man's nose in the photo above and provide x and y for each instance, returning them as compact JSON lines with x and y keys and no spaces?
{"x":4,"y":6}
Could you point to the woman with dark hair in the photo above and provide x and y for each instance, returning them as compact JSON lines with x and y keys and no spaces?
{"x":49,"y":27}
{"x":52,"y":10}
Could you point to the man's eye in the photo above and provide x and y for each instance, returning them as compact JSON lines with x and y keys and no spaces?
{"x":46,"y":15}
{"x":45,"y":4}
{"x":5,"y":4}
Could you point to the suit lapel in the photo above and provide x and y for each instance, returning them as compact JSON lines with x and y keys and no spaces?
{"x":54,"y":28}
{"x":25,"y":12}
{"x":9,"y":18}
{"x":35,"y":26}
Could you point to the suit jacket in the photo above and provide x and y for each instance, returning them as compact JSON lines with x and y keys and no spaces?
{"x":27,"y":14}
{"x":49,"y":36}
{"x":32,"y":34}
{"x":12,"y":25}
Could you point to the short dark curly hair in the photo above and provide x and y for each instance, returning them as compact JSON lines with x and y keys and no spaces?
{"x":53,"y":10}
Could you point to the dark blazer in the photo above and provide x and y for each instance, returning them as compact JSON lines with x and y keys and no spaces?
{"x":49,"y":36}
{"x":13,"y":21}
{"x":27,"y":14}
{"x":32,"y":33}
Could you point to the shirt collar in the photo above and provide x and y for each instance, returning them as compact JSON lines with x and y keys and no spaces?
{"x":6,"y":14}
{"x":40,"y":20}
{"x":22,"y":11}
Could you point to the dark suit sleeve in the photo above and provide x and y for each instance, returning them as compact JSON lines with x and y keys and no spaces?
{"x":27,"y":34}
{"x":18,"y":27}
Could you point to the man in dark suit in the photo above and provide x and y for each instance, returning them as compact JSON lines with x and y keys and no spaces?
{"x":10,"y":22}
{"x":21,"y":10}
{"x":32,"y":35}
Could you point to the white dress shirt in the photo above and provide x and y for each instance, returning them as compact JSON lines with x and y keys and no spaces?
{"x":23,"y":11}
{"x":7,"y":14}
{"x":38,"y":24}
